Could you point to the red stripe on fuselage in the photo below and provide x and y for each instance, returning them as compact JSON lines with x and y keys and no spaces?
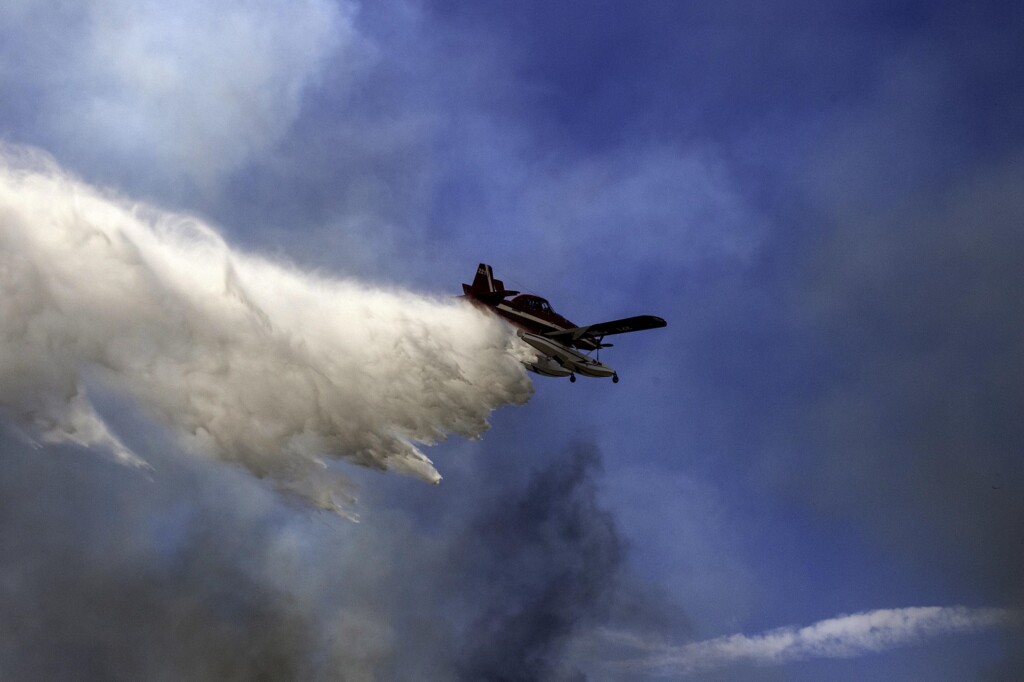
{"x":532,"y":321}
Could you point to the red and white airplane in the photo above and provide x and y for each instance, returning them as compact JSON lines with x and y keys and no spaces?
{"x":563,"y":346}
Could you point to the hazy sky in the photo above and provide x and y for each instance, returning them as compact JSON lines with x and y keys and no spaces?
{"x":814,"y":472}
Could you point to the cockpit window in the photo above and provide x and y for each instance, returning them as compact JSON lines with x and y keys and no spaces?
{"x":535,"y":304}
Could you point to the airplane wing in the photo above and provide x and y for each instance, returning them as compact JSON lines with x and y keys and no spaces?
{"x":592,"y":334}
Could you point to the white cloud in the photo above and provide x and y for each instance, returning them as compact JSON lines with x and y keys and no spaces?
{"x":194,"y":88}
{"x":845,"y":636}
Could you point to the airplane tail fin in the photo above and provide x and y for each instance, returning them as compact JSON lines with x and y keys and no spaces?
{"x":485,"y":288}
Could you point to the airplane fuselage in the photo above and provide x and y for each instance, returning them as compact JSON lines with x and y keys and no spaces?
{"x":562,"y":346}
{"x":534,"y":317}
{"x":533,"y":314}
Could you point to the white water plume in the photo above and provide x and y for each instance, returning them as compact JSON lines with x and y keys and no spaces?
{"x":246,"y":360}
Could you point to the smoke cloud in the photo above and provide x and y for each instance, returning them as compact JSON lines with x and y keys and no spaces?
{"x":842,"y":637}
{"x":548,"y":562}
{"x":246,"y":360}
{"x":208,"y":577}
{"x":192,"y":92}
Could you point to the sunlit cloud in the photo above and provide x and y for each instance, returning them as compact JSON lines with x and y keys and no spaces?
{"x":185,"y":91}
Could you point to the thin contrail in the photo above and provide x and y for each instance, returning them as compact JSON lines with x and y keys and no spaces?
{"x":845,"y":636}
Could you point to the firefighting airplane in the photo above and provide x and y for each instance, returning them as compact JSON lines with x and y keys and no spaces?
{"x":558,"y":340}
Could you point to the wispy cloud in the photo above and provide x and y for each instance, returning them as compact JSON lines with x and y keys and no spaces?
{"x":191,"y":92}
{"x":846,"y":636}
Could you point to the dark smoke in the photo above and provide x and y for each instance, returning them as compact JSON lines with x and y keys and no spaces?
{"x":544,"y":558}
{"x":203,"y":574}
{"x":103,"y":575}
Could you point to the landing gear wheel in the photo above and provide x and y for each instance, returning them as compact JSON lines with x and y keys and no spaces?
{"x":615,"y":378}
{"x":572,"y":378}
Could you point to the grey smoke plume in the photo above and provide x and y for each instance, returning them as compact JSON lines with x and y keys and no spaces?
{"x":247,"y":360}
{"x":207,"y":577}
{"x":546,"y":558}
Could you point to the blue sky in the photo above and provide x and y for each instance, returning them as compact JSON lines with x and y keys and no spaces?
{"x":822,"y":199}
